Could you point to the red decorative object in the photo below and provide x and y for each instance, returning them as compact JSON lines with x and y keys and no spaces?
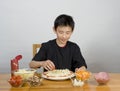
{"x":18,"y":57}
{"x":15,"y":64}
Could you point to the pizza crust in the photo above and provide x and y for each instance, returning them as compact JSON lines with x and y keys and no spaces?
{"x":58,"y":74}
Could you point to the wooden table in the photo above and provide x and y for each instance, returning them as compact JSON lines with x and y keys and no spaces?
{"x":66,"y":85}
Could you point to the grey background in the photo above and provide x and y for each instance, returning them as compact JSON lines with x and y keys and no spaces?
{"x":97,"y":30}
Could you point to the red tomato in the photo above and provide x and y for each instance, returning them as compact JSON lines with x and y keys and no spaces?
{"x":15,"y":81}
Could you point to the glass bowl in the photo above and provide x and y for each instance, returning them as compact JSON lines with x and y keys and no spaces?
{"x":102,"y":78}
{"x":16,"y":81}
{"x":76,"y":82}
{"x":35,"y":81}
{"x":25,"y":73}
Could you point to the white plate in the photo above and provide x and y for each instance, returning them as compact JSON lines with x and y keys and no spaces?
{"x":57,"y":77}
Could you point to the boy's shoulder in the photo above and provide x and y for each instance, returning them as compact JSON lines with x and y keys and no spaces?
{"x":48,"y":43}
{"x":72,"y":43}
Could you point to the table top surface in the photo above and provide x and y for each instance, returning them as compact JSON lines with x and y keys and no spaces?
{"x":91,"y":85}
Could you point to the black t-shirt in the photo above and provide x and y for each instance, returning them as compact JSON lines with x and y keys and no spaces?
{"x":68,"y":57}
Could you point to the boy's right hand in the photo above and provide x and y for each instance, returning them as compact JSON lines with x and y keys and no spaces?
{"x":48,"y":65}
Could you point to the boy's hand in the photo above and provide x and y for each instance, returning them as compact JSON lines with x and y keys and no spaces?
{"x":48,"y":65}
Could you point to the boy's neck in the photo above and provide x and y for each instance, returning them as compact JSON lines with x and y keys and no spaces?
{"x":60,"y":44}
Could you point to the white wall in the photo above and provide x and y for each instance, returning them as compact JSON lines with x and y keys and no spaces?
{"x":97,"y":30}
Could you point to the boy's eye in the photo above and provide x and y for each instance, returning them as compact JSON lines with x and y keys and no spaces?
{"x":68,"y":32}
{"x":61,"y":32}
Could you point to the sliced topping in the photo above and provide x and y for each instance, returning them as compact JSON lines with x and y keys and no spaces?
{"x":16,"y":81}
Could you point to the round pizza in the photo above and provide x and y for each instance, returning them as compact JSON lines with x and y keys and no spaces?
{"x":58,"y":74}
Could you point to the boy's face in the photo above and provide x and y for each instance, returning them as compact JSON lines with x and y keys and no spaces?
{"x":63,"y":34}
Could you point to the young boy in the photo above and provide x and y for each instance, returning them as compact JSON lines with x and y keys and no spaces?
{"x":60,"y":53}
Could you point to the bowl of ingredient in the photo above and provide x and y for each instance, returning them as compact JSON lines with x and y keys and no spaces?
{"x":25,"y":73}
{"x":77,"y":82}
{"x":34,"y":81}
{"x":16,"y":81}
{"x":102,"y":77}
{"x":81,"y":76}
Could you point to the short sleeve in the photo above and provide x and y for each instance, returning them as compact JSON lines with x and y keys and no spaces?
{"x":78,"y":59}
{"x":41,"y":55}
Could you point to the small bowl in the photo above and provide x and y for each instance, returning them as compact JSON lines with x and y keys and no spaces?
{"x":25,"y":73}
{"x":35,"y":81}
{"x":102,"y":81}
{"x":76,"y":82}
{"x":102,"y":78}
{"x":16,"y":83}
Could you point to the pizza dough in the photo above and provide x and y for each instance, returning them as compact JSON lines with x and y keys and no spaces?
{"x":58,"y":73}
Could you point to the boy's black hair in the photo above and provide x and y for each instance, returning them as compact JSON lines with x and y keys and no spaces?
{"x":64,"y":20}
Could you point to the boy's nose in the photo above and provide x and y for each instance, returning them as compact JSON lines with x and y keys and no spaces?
{"x":64,"y":35}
